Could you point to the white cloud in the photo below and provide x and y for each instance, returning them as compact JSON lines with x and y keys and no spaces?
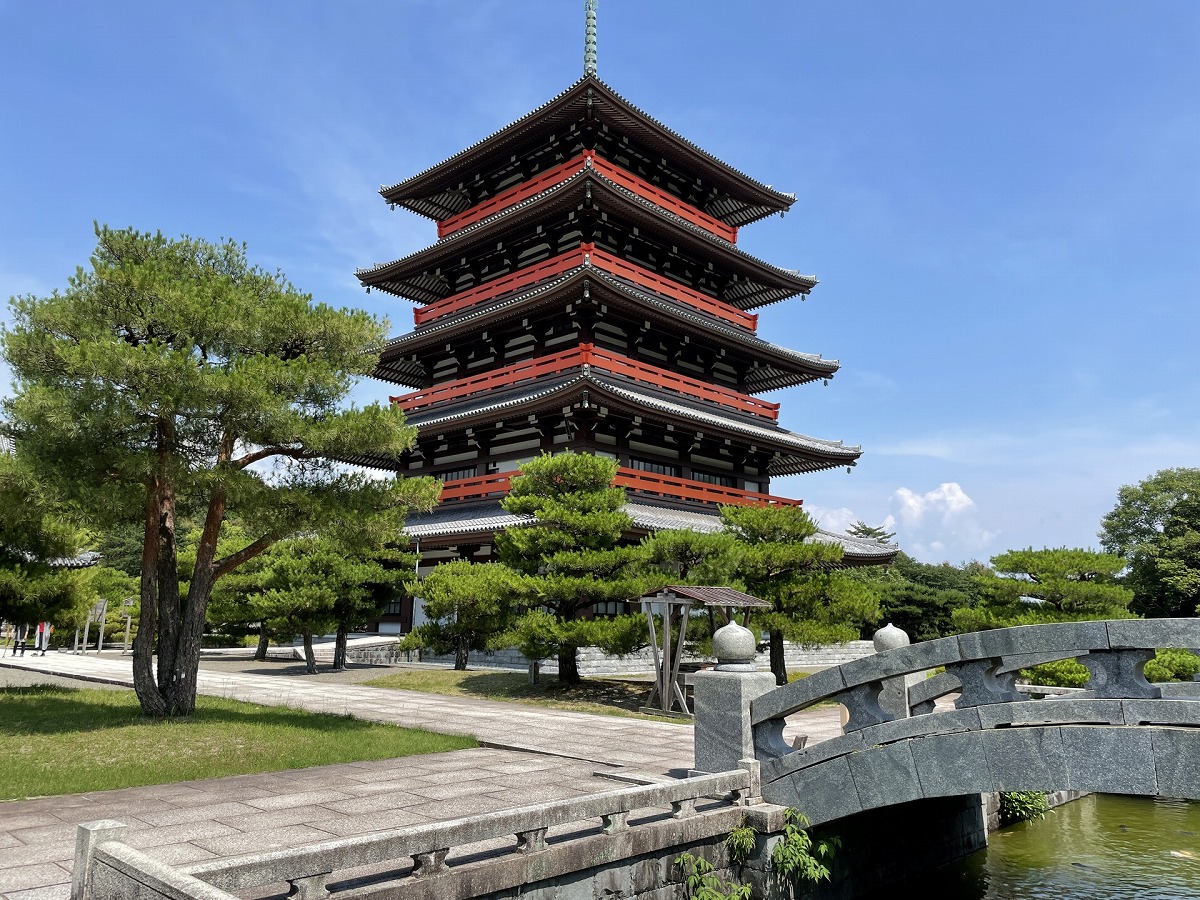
{"x":835,"y":520}
{"x":941,"y":523}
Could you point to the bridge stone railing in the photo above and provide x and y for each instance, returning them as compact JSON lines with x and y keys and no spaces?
{"x":982,"y":668}
{"x":105,"y":868}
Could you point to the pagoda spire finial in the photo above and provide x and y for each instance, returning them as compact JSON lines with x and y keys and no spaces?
{"x":589,"y":40}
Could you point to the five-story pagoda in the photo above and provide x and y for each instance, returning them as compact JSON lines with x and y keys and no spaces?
{"x":586,"y":292}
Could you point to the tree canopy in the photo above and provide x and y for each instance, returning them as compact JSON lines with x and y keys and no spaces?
{"x":1155,"y":526}
{"x":172,"y":380}
{"x":777,"y":561}
{"x":32,"y":536}
{"x":1049,"y":585}
{"x":570,"y":554}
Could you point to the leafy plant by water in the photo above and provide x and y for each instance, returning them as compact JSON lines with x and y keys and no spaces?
{"x":797,"y":856}
{"x":1022,"y":806}
{"x":702,"y":884}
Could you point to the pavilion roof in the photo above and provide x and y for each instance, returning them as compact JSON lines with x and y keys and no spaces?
{"x":704,"y":595}
{"x":430,"y":193}
{"x":782,"y":367}
{"x":453,"y":520}
{"x":405,"y":277}
{"x":795,"y":453}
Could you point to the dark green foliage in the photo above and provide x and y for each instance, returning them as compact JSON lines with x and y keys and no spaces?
{"x":1022,"y":806}
{"x":1155,"y":527}
{"x":877,"y":533}
{"x":467,"y":605}
{"x":174,"y":381}
{"x":31,"y":535}
{"x":777,"y":561}
{"x":1051,"y":585}
{"x":569,"y":556}
{"x":1060,"y":673}
{"x":1173,"y":665}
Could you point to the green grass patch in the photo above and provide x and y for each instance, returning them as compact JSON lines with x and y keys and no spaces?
{"x":605,"y":696}
{"x":60,"y":740}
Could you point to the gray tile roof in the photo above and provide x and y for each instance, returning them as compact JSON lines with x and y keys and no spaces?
{"x":818,"y":365}
{"x":489,"y":517}
{"x":831,"y":453}
{"x":801,"y":283}
{"x":779,"y":199}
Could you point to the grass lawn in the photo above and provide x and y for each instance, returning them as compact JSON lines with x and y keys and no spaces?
{"x":56,"y":740}
{"x":607,"y":696}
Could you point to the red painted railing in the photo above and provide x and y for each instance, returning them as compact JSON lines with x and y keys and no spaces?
{"x":631,"y":479}
{"x":586,"y":355}
{"x":549,"y":178}
{"x":564,"y":262}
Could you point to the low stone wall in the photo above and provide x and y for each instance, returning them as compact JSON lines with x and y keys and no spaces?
{"x":594,"y":662}
{"x":623,"y":840}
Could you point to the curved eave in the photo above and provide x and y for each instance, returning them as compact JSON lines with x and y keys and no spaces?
{"x":795,"y":453}
{"x":756,"y":200}
{"x":571,"y":194}
{"x":783,"y":368}
{"x":480,"y":519}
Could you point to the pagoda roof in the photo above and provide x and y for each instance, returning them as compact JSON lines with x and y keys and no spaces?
{"x":405,"y":277}
{"x":794,"y":453}
{"x":431,"y":193}
{"x":488,"y":517}
{"x":783,"y":367}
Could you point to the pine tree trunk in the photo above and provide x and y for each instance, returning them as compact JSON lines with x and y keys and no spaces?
{"x":339,"y":648}
{"x":778,"y":666}
{"x":310,"y":658}
{"x":461,"y":652}
{"x":568,"y":664}
{"x":264,"y":643}
{"x":144,"y":682}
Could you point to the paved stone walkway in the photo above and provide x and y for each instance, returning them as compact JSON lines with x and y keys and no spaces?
{"x":529,"y":755}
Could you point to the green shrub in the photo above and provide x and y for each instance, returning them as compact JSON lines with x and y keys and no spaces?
{"x":702,"y":884}
{"x":741,"y":843}
{"x":1060,"y":673}
{"x":1022,"y":806}
{"x":1172,"y":665}
{"x":796,"y":856}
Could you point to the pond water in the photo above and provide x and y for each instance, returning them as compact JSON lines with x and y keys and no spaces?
{"x":1100,"y":847}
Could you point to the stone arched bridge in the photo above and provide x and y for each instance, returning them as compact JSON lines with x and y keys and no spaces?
{"x":1120,"y":735}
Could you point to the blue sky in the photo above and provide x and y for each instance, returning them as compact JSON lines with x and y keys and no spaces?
{"x":1001,"y":199}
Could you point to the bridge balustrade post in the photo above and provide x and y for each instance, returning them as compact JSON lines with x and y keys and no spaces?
{"x":893,"y":697}
{"x":722,"y":700}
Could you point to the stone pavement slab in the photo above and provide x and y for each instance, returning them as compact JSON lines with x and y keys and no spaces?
{"x":529,"y":755}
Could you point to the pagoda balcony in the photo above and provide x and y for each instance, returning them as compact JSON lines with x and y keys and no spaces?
{"x":588,"y":159}
{"x":583,"y":255}
{"x":577,"y":358}
{"x":635,"y":481}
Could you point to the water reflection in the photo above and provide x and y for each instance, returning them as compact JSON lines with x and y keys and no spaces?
{"x":1099,"y":848}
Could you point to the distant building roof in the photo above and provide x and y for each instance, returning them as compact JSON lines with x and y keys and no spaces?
{"x":489,"y":517}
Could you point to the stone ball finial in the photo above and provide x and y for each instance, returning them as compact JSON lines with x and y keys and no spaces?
{"x":734,"y":648}
{"x":889,"y":637}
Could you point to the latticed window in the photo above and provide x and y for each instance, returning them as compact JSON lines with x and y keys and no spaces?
{"x":456,"y":474}
{"x":645,"y":465}
{"x":709,"y":478}
{"x":610,"y":608}
{"x":395,"y":607}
